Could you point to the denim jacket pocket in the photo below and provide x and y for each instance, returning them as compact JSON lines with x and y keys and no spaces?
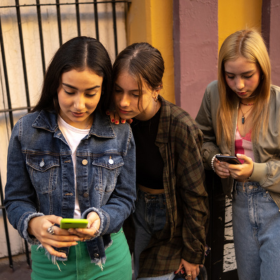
{"x":108,"y":168}
{"x":43,"y":171}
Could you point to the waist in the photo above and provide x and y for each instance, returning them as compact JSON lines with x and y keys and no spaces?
{"x":149,"y":190}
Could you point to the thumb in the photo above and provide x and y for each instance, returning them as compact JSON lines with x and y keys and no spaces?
{"x":54,"y":219}
{"x":245,"y":158}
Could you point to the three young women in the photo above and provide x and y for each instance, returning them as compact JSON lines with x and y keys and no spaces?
{"x":240,"y":114}
{"x":66,"y":160}
{"x":171,"y":212}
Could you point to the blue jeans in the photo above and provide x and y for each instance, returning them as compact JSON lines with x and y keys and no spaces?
{"x":149,"y":217}
{"x":256,"y":229}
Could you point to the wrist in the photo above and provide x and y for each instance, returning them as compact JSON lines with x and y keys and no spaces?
{"x":212,"y":162}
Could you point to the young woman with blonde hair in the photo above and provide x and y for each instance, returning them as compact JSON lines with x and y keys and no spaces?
{"x":240,"y":114}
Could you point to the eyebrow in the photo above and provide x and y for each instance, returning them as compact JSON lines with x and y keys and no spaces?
{"x":77,"y":88}
{"x":133,"y":90}
{"x":244,"y":73}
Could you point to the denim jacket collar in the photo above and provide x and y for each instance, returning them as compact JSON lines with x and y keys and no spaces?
{"x":101,"y":127}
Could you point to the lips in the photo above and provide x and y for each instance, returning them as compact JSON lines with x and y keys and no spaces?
{"x":78,"y":114}
{"x":241,"y":93}
{"x":123,"y":111}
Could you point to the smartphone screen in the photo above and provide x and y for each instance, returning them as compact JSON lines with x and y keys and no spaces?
{"x":73,"y":223}
{"x":228,"y":159}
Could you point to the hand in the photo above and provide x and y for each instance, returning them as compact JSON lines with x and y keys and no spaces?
{"x":190,"y":269}
{"x":241,"y":172}
{"x":38,"y":226}
{"x":221,"y":169}
{"x":115,"y":118}
{"x":91,"y":231}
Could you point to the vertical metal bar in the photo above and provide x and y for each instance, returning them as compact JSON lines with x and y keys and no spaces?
{"x":115,"y":26}
{"x":59,"y":21}
{"x":96,"y":20}
{"x":6,"y":227}
{"x":6,"y":77}
{"x":27,"y":253}
{"x":22,"y":54}
{"x":41,"y":36}
{"x":78,"y":17}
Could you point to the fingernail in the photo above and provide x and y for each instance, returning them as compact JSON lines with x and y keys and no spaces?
{"x":116,"y":122}
{"x":112,"y":120}
{"x":123,"y":121}
{"x":63,"y":256}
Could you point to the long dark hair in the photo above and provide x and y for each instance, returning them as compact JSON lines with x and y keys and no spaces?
{"x":77,"y":53}
{"x":143,"y":62}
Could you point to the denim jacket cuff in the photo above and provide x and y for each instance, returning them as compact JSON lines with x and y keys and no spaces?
{"x":30,"y":238}
{"x":103,"y":219}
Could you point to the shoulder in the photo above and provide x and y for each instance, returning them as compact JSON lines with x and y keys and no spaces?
{"x":181,"y":123}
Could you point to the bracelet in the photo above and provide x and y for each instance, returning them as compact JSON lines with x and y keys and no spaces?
{"x":212,"y":162}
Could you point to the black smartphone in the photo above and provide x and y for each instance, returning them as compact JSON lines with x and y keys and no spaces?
{"x":228,"y":159}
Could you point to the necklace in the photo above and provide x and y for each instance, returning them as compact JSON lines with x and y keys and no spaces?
{"x":247,"y":104}
{"x":243,"y":115}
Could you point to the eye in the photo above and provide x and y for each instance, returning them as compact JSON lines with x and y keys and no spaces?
{"x":135,"y":95}
{"x":248,"y":77}
{"x":68,"y":92}
{"x":230,"y":77}
{"x":90,"y":94}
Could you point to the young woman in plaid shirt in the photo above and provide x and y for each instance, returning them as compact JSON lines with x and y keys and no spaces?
{"x":171,"y":212}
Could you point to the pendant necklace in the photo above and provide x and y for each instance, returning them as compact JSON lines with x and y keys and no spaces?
{"x":243,"y":115}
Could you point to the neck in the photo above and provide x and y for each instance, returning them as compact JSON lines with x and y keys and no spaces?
{"x":149,"y":112}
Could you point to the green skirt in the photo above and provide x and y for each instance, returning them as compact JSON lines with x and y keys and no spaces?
{"x":79,"y":266}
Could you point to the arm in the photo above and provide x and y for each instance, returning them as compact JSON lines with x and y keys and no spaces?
{"x":190,"y":184}
{"x":206,"y":121}
{"x":21,"y":202}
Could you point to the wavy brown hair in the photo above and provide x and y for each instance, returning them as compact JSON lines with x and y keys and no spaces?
{"x":250,"y":45}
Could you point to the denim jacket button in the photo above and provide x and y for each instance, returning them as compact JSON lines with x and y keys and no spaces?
{"x":96,"y":255}
{"x":86,"y":195}
{"x":42,"y":163}
{"x":84,"y":162}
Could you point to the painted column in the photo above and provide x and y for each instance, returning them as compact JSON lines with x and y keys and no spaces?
{"x":151,"y":21}
{"x":271,"y":34}
{"x":195,"y":50}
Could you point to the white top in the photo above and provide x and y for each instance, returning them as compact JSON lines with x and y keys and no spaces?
{"x":73,"y":136}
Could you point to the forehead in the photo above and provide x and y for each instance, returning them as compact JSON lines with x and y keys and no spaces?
{"x":239,"y":65}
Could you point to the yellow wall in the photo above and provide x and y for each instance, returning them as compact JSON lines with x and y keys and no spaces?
{"x":234,"y":15}
{"x":152,"y":21}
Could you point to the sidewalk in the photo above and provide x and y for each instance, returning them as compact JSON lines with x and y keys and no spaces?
{"x":21,"y":269}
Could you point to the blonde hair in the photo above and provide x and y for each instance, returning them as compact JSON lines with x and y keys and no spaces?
{"x":250,"y":45}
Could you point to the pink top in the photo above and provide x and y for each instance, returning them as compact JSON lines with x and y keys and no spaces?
{"x":243,"y":145}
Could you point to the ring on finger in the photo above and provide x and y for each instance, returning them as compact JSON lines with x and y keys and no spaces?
{"x":50,"y":230}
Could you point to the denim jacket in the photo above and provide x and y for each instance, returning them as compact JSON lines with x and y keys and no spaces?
{"x":40,"y":177}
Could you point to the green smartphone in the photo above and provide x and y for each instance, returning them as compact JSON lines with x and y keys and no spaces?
{"x":73,"y":223}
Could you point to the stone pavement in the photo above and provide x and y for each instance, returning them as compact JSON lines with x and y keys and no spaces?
{"x":21,"y":270}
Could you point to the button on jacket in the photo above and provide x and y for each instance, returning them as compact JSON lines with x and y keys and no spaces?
{"x":40,"y":179}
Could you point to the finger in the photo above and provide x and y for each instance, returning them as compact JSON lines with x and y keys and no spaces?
{"x":117,"y":119}
{"x":130,"y":121}
{"x":54,"y":252}
{"x":58,"y":244}
{"x":54,"y":219}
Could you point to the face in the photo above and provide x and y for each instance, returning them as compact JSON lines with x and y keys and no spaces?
{"x":78,"y":95}
{"x":242,"y":76}
{"x":126,"y":96}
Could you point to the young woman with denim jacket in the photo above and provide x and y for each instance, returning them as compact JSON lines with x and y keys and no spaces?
{"x":67,"y":160}
{"x":171,"y":214}
{"x":240,"y":114}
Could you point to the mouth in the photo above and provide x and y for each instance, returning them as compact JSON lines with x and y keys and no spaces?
{"x":241,"y":93}
{"x":78,"y":114}
{"x":123,"y":111}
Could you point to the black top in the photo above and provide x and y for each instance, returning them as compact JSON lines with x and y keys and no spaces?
{"x":149,"y":163}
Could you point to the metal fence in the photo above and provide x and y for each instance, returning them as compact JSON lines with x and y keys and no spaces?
{"x":17,"y":7}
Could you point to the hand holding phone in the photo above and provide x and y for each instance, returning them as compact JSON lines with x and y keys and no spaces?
{"x":73,"y":223}
{"x":228,"y":159}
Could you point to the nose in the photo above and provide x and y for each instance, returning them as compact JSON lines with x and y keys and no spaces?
{"x":79,"y":102}
{"x":239,"y":83}
{"x":124,"y":100}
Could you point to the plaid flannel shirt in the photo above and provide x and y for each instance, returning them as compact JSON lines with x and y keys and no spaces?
{"x":184,"y":235}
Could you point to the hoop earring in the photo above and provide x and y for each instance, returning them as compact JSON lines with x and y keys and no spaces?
{"x":156,"y":98}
